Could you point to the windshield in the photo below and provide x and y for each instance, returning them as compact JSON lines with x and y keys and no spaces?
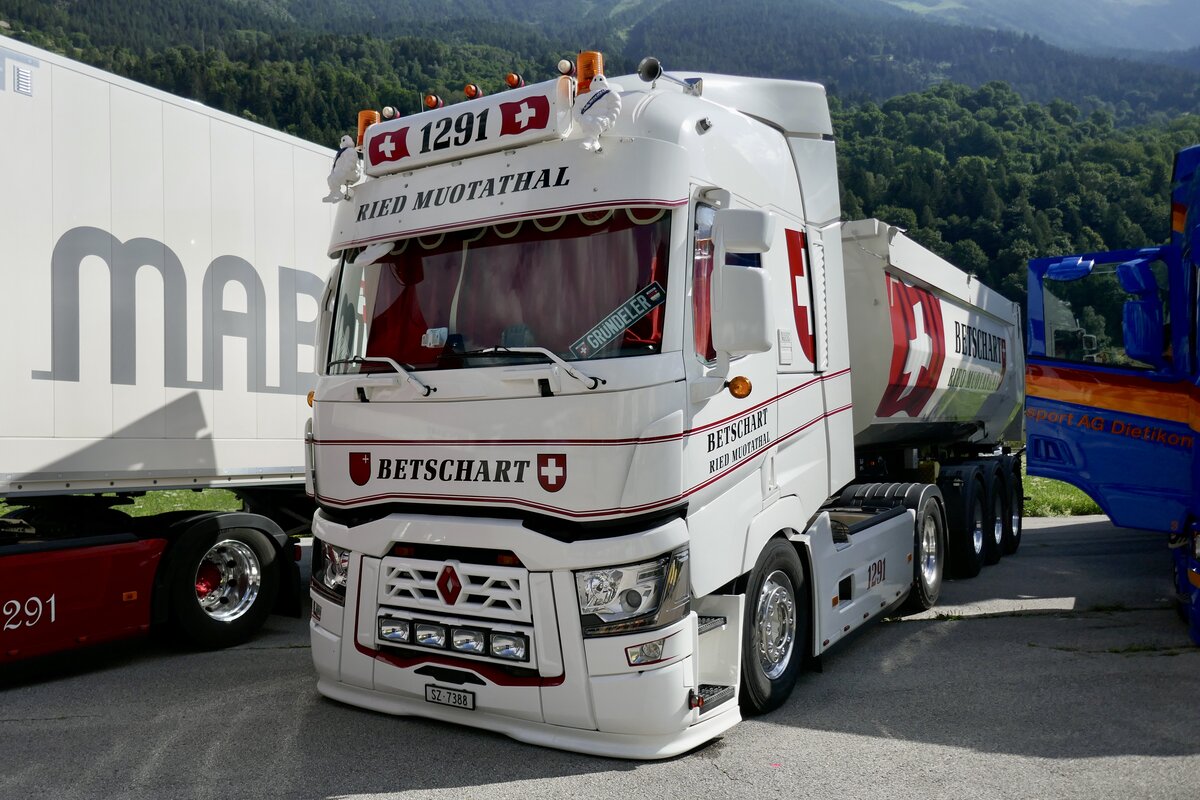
{"x":584,"y":286}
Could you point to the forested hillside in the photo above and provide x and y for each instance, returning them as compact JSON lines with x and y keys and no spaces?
{"x":990,"y":147}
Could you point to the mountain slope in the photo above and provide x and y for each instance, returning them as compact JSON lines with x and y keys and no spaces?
{"x":1085,"y":25}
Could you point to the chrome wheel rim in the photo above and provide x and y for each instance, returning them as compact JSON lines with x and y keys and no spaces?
{"x":1016,"y":512}
{"x":775,"y":624}
{"x":998,"y":525}
{"x":227,"y":580}
{"x":929,"y":552}
{"x":977,"y":529}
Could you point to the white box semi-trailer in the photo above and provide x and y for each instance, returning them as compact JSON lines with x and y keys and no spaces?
{"x":162,"y":271}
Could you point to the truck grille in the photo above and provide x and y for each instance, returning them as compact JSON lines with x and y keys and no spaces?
{"x":473,"y":590}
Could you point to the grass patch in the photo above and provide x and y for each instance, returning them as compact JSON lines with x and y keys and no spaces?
{"x":1050,"y":498}
{"x":166,"y":500}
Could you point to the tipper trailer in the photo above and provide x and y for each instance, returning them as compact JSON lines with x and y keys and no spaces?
{"x":163,"y":266}
{"x":617,"y":423}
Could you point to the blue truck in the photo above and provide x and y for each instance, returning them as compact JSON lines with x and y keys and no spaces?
{"x":1113,"y":381}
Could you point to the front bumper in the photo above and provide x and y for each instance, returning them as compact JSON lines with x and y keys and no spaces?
{"x":571,"y":693}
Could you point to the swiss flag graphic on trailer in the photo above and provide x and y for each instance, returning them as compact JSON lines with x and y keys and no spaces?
{"x":552,"y":471}
{"x":918,"y":349}
{"x":360,"y":468}
{"x":530,"y":114}
{"x":390,"y":146}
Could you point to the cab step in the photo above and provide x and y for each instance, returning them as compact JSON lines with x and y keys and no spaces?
{"x":709,"y":696}
{"x":706,"y":624}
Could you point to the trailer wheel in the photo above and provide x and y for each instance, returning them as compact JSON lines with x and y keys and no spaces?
{"x":222,"y":586}
{"x":776,"y":627}
{"x":929,"y":555}
{"x":1016,"y":510}
{"x":995,"y":511}
{"x":964,"y":516}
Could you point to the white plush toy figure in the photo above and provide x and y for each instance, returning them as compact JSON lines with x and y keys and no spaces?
{"x":347,"y":169}
{"x":597,"y":111}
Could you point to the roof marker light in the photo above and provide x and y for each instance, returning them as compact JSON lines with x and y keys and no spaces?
{"x":391,"y":112}
{"x":432,"y":101}
{"x":514,"y":80}
{"x":472,"y":91}
{"x":566,"y":67}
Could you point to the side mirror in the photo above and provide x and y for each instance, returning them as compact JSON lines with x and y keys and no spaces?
{"x":1143,"y":329}
{"x":742,"y":321}
{"x":1069,"y":269}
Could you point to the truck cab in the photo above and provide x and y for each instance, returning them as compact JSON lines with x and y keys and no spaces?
{"x":1112,"y":380}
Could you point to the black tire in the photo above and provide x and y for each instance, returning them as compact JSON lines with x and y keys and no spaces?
{"x":1016,"y":511}
{"x":929,"y":554}
{"x":995,"y":511}
{"x":221,"y":586}
{"x":776,"y":603}
{"x":964,"y":519}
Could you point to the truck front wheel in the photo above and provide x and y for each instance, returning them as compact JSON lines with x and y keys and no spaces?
{"x":776,"y":627}
{"x":222,"y":586}
{"x":930,"y":552}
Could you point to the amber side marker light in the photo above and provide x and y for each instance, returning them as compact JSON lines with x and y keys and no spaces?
{"x":311,"y":395}
{"x":739,"y":387}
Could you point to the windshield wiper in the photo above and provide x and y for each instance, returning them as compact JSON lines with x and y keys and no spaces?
{"x":395,"y":365}
{"x":587,"y":380}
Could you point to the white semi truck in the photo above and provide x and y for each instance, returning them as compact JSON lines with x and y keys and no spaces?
{"x":163,"y":264}
{"x":618,"y":424}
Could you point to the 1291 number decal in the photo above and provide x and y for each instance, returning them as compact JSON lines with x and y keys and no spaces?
{"x":875,"y":572}
{"x":18,"y":614}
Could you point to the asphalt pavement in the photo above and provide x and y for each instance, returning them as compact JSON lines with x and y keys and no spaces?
{"x":1061,"y":672}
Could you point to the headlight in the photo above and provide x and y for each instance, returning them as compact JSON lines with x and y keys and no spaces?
{"x":622,"y":599}
{"x":330,"y":569}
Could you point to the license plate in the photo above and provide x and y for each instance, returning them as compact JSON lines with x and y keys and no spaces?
{"x":450,"y":697}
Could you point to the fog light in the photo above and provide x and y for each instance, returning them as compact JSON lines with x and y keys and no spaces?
{"x":394,"y":630}
{"x":509,"y":645}
{"x":647,"y":653}
{"x":467,"y":640}
{"x":430,"y":635}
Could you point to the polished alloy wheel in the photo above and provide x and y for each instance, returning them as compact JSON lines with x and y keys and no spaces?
{"x":775,"y":624}
{"x":228,"y":580}
{"x":929,"y":552}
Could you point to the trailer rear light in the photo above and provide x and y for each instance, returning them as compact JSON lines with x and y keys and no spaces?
{"x":429,"y":635}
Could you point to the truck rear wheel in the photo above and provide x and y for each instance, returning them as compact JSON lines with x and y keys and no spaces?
{"x":221,"y":586}
{"x":776,"y":627}
{"x":965,"y":519}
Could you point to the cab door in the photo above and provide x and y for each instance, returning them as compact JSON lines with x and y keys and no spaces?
{"x":1110,"y":381}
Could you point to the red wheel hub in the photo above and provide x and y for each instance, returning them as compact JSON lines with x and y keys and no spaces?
{"x":208,"y":578}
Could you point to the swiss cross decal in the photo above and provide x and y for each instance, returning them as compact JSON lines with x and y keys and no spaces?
{"x":360,"y":468}
{"x":530,"y":114}
{"x":390,"y":146}
{"x":552,"y":471}
{"x":918,"y":349}
{"x":800,"y":294}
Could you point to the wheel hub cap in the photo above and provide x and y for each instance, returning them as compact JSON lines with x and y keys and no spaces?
{"x":775,"y":624}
